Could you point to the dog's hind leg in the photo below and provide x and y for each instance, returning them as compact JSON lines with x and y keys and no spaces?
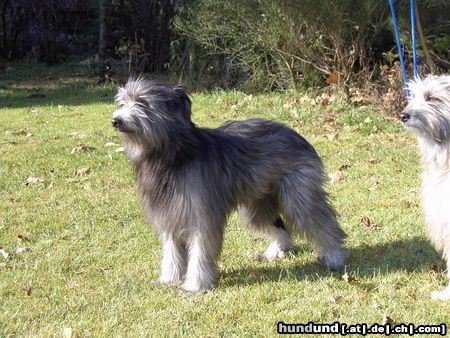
{"x":305,"y":205}
{"x":173,"y":264}
{"x":262,"y":216}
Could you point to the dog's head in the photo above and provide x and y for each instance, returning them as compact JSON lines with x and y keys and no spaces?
{"x":427,"y":113}
{"x":150,"y":113}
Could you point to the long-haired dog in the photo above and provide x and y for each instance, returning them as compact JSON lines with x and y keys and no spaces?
{"x":427,"y":115}
{"x":190,"y":179}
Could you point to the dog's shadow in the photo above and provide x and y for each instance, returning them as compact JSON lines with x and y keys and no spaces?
{"x":412,"y":255}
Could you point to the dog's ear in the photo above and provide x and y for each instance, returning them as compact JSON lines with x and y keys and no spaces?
{"x":184,"y":102}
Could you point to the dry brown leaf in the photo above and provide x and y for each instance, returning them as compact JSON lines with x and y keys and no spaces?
{"x":83,"y":171}
{"x":387,"y":320}
{"x":4,"y":253}
{"x":374,"y":186}
{"x":335,"y":177}
{"x":34,"y":180}
{"x":78,"y":134}
{"x":345,"y":166}
{"x":27,"y":290}
{"x":81,"y":148}
{"x":335,"y":298}
{"x":434,"y":273}
{"x":22,"y":250}
{"x":21,"y":238}
{"x":369,"y":225}
{"x":332,"y":137}
{"x":349,"y":279}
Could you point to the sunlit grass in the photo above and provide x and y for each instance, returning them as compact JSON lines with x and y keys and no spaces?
{"x":92,"y":256}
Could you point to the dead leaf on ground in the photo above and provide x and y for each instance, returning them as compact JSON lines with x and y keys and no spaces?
{"x":120,"y":150}
{"x":349,"y":279}
{"x":78,"y":134}
{"x":81,"y":148}
{"x":332,"y":136}
{"x":27,"y":290}
{"x":335,"y":177}
{"x":21,"y":238}
{"x":83,"y":171}
{"x":4,"y":253}
{"x":22,"y":250}
{"x":345,"y":166}
{"x":34,"y":180}
{"x":387,"y":320}
{"x":435,"y":274}
{"x":369,"y":225}
{"x":335,"y":298}
{"x":374,"y":186}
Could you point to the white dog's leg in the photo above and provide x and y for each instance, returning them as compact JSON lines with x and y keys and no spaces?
{"x":173,"y":264}
{"x":444,"y":294}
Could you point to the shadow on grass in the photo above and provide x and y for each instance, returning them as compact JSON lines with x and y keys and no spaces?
{"x":413,"y":255}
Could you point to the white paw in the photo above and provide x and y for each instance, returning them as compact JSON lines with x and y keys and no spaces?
{"x":441,"y":295}
{"x":273,"y":254}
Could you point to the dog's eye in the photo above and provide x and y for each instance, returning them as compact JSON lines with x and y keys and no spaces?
{"x":427,"y":96}
{"x":141,"y":102}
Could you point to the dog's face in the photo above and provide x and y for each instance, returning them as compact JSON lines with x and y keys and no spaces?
{"x":427,"y":113}
{"x":149,"y":112}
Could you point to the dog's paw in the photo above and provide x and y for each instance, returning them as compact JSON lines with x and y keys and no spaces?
{"x":192,"y":289}
{"x":273,"y":254}
{"x":334,"y":261}
{"x":441,"y":295}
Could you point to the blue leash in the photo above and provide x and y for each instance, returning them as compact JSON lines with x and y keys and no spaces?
{"x":399,"y":47}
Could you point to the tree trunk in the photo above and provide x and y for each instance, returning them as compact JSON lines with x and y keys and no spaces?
{"x":102,"y":41}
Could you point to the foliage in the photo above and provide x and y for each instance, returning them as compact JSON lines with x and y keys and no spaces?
{"x":280,"y":44}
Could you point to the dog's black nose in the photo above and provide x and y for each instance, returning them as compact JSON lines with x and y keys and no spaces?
{"x":116,"y":122}
{"x":404,"y":117}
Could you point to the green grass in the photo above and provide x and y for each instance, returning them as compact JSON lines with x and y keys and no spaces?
{"x":92,"y":256}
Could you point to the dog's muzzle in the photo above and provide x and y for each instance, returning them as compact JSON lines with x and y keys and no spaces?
{"x":404,"y":117}
{"x":117,"y":123}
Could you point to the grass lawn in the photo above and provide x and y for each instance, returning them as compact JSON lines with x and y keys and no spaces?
{"x":81,"y":257}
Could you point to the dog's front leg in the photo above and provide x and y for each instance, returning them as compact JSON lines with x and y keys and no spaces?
{"x":173,"y":264}
{"x":203,"y":252}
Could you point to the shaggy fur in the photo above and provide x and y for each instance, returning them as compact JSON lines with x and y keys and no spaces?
{"x":427,"y":115}
{"x":190,"y":179}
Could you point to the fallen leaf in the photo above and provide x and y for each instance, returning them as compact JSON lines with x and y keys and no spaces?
{"x":78,"y":134}
{"x":21,"y":238}
{"x":34,"y":180}
{"x":345,"y":166}
{"x":333,"y":136}
{"x":83,"y":171}
{"x":369,"y":225}
{"x":434,"y":273}
{"x":4,"y":253}
{"x":349,"y":279}
{"x":335,"y":298}
{"x":81,"y":148}
{"x":120,"y":150}
{"x":73,"y":285}
{"x":105,"y":271}
{"x":374,"y":186}
{"x":335,"y":177}
{"x":27,"y":290}
{"x":22,"y":250}
{"x":387,"y":320}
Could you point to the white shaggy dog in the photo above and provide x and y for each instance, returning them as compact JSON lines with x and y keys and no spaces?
{"x":427,"y":115}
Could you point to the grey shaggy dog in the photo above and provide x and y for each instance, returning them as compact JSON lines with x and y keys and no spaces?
{"x":427,"y":115}
{"x":190,"y":179}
